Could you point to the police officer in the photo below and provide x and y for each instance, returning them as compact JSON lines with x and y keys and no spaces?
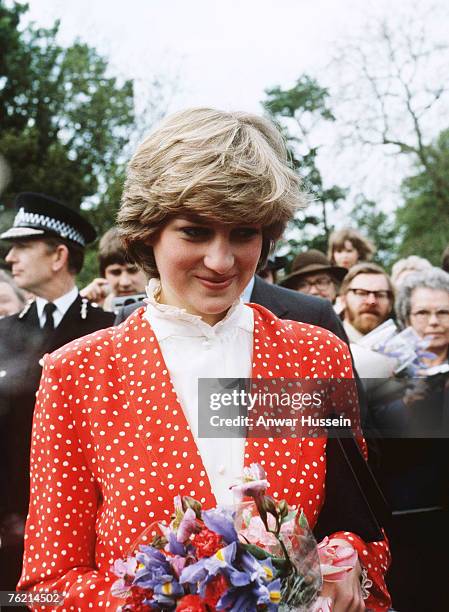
{"x":47,"y":251}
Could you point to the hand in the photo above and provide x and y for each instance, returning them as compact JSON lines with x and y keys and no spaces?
{"x":417,"y":390}
{"x":96,"y":291}
{"x":346,"y":594}
{"x":12,"y":530}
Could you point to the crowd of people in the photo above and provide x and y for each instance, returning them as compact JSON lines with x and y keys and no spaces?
{"x":177,"y":273}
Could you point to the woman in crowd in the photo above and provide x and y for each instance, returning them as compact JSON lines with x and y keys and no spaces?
{"x":12,"y":299}
{"x":408,"y":265}
{"x":347,"y":247}
{"x":116,"y":426}
{"x":415,"y":469}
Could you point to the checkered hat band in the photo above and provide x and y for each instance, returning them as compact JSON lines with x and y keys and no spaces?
{"x":27,"y":219}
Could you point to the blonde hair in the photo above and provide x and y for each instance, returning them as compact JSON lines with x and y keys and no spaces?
{"x":364,"y":247}
{"x":229,"y":167}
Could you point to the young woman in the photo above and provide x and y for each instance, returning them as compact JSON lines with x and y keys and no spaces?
{"x":115,"y":433}
{"x":347,"y":247}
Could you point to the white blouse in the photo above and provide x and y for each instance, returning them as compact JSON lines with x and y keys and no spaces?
{"x":193,"y":349}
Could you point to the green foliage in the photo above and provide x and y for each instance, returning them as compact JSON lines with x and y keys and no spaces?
{"x":64,"y":121}
{"x":297,"y":111}
{"x":423,"y":220}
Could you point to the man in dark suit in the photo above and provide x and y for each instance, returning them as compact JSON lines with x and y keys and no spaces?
{"x":47,"y":251}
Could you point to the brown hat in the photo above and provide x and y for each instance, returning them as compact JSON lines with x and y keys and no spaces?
{"x":311,"y":262}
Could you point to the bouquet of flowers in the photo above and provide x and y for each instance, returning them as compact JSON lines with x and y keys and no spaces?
{"x":405,"y":346}
{"x":259,"y":555}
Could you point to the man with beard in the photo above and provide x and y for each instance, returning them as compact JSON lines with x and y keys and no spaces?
{"x":367,"y":297}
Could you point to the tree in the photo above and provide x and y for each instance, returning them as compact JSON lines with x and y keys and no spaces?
{"x":394,"y":90}
{"x":423,"y":220}
{"x":298,"y":111}
{"x":64,"y":120}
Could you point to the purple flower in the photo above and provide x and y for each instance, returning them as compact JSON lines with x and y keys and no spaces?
{"x":270,"y":595}
{"x":156,"y":569}
{"x":210,"y":566}
{"x":246,"y":598}
{"x":123,"y":568}
{"x":221,"y":522}
{"x":260,"y":571}
{"x":166,"y":594}
{"x":173,"y":546}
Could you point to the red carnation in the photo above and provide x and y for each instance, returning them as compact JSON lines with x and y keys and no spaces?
{"x":206,"y":542}
{"x":215,"y":589}
{"x":137,"y":597}
{"x":191,"y":603}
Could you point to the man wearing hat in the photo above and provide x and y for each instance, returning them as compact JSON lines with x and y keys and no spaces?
{"x":314,"y":274}
{"x":47,"y":251}
{"x":270,"y":270}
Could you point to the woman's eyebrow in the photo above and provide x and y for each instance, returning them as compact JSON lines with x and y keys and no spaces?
{"x":192,"y":218}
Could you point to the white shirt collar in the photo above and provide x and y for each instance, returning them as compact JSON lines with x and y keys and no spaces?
{"x":246,"y":295}
{"x":62,"y":304}
{"x":174,"y":321}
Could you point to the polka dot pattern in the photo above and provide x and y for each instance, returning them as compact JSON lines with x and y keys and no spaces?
{"x":111,"y":447}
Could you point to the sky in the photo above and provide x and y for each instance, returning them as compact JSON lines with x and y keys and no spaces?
{"x":226,"y":53}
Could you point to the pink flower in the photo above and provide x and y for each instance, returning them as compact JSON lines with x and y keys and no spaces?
{"x":178,"y":563}
{"x":337,"y":558}
{"x":256,"y":533}
{"x":187,"y":526}
{"x":253,"y":483}
{"x":125,"y":570}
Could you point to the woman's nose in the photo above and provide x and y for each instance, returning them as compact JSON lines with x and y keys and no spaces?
{"x":219,"y":257}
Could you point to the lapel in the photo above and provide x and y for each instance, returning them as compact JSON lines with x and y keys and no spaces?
{"x":151,"y":395}
{"x":264,"y":294}
{"x":67,"y":330}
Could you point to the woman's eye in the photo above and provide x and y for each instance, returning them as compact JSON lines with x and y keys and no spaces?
{"x":195,"y":232}
{"x":245,"y":233}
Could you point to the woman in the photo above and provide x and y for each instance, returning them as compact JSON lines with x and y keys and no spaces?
{"x":415,"y":471}
{"x":347,"y":247}
{"x":115,"y":434}
{"x":12,"y":299}
{"x":408,"y":265}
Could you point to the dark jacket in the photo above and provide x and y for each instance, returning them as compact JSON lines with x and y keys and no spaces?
{"x":22,"y":345}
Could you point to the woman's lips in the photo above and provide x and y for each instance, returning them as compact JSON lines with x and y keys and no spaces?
{"x":216,"y":284}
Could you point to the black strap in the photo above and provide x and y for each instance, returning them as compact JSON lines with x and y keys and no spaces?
{"x":49,"y":309}
{"x":354,"y":501}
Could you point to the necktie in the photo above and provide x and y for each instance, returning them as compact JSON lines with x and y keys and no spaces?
{"x":49,"y":309}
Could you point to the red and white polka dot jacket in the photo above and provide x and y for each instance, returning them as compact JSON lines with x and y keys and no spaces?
{"x":111,"y":448}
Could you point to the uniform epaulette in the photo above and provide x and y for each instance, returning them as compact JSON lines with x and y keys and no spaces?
{"x":84,"y":305}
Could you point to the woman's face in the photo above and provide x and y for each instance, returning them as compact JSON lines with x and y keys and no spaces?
{"x":204,"y":266}
{"x":429,"y":316}
{"x":9,"y":302}
{"x":347,"y":256}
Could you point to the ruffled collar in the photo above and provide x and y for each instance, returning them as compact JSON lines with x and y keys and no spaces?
{"x":180,"y":322}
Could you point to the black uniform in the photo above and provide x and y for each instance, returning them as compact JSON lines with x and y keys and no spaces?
{"x":22,"y":345}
